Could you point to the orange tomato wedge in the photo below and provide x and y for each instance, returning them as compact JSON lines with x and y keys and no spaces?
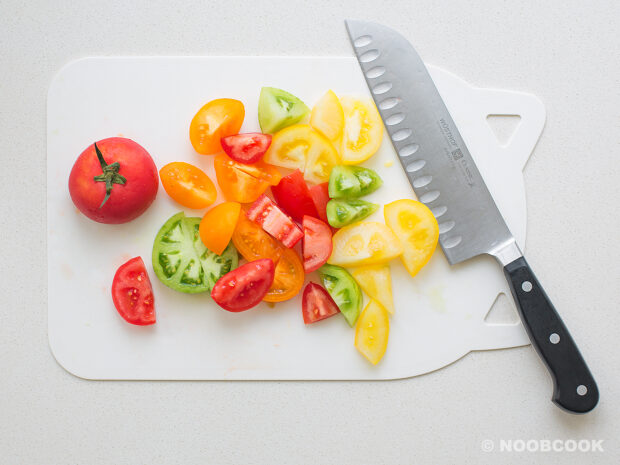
{"x":253,"y":243}
{"x":218,"y":225}
{"x":216,"y":119}
{"x":187,"y":185}
{"x":244,"y":183}
{"x":288,"y":279}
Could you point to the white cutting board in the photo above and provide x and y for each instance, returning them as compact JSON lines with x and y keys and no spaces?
{"x":439,"y":315}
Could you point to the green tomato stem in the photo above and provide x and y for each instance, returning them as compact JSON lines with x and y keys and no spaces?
{"x":110,"y":175}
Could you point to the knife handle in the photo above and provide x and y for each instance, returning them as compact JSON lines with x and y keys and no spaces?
{"x":574,"y":388}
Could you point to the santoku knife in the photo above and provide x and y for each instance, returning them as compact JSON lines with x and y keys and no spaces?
{"x":445,"y":178}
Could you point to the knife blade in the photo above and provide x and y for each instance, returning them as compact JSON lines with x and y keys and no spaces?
{"x":444,"y":176}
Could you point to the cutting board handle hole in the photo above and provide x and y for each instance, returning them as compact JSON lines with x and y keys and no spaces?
{"x":502,"y":312}
{"x":504,"y":127}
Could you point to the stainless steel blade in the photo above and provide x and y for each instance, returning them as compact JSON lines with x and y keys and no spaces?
{"x":438,"y":165}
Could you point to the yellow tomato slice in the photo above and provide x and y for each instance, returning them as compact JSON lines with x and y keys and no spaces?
{"x":376,"y":281}
{"x":328,"y":117}
{"x":300,"y":146}
{"x":372,"y":332}
{"x":363,"y":130}
{"x":364,"y":243}
{"x":416,"y":226}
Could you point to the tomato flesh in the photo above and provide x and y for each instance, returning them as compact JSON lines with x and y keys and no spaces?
{"x":132,"y":293}
{"x":273,"y":220}
{"x":182,"y":262}
{"x":245,"y":287}
{"x":216,"y":119}
{"x":289,"y":277}
{"x":293,"y":196}
{"x":244,"y":183}
{"x":317,"y":243}
{"x":188,"y":185}
{"x":320,"y":197}
{"x":246,"y":148}
{"x":317,"y":304}
{"x":278,"y":109}
{"x":253,"y":243}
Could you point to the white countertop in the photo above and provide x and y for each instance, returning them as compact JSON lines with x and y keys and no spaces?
{"x":565,"y":52}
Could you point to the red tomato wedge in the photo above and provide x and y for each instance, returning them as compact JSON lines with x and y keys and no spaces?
{"x":320,"y":197}
{"x":293,"y":196}
{"x":317,"y":304}
{"x":246,"y":148}
{"x":244,"y":287}
{"x":132,"y":293}
{"x":317,"y":245}
{"x":273,"y":220}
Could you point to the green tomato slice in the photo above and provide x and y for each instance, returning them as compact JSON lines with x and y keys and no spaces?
{"x":341,"y":212}
{"x":278,"y":109}
{"x":353,"y":181}
{"x":344,"y":290}
{"x":183,"y":263}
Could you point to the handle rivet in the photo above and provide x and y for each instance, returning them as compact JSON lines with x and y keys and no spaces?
{"x":526,"y":286}
{"x":582,"y":390}
{"x":554,"y":338}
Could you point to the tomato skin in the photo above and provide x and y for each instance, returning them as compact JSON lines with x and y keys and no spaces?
{"x":342,"y":212}
{"x":372,"y":332}
{"x":293,"y":196}
{"x":217,"y":226}
{"x":246,"y":148}
{"x":245,"y":287}
{"x":301,"y":146}
{"x":127,"y":201}
{"x":273,"y":220}
{"x":216,"y":119}
{"x":244,"y":183}
{"x":188,"y":185}
{"x":132,"y":293}
{"x":317,"y":304}
{"x":320,"y":197}
{"x":317,"y":243}
{"x":278,"y":109}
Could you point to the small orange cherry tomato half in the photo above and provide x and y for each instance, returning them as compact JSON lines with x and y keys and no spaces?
{"x":218,"y":118}
{"x":288,"y":279}
{"x":188,"y":185}
{"x":244,"y":183}
{"x":253,"y":243}
{"x":218,"y":225}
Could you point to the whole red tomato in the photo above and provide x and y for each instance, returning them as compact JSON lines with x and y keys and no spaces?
{"x":113,"y":181}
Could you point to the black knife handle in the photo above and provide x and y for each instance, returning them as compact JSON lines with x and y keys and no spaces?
{"x":574,"y":388}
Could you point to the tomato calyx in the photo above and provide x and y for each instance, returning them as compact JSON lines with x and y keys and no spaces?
{"x":110,"y":175}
